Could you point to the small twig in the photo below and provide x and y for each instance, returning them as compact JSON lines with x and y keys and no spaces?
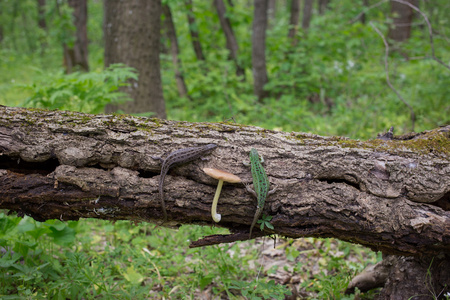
{"x":430,"y":31}
{"x":216,"y":239}
{"x":366,"y":10}
{"x":424,"y":16}
{"x":386,"y":68}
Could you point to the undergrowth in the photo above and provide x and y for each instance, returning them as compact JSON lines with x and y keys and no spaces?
{"x":121,"y":260}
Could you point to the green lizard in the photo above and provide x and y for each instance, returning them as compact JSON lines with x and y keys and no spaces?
{"x":260,"y":183}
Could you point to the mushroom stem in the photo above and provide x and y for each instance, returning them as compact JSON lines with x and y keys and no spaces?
{"x":216,"y":217}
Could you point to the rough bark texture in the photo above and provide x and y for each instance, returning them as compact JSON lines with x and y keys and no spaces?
{"x":193,"y":29}
{"x":421,"y":278}
{"x":132,"y":36}
{"x":402,"y":16}
{"x":323,"y":5}
{"x":78,"y":55}
{"x":41,"y":14}
{"x":307,"y":13}
{"x":293,"y":21}
{"x":175,"y":51}
{"x":231,"y":41}
{"x":259,"y":48}
{"x":362,"y":18}
{"x":388,"y":194}
{"x":271,"y":11}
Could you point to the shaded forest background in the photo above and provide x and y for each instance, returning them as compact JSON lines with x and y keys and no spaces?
{"x":326,"y":65}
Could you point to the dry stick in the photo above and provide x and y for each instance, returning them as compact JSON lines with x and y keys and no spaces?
{"x":386,"y":68}
{"x":430,"y":31}
{"x":366,"y":10}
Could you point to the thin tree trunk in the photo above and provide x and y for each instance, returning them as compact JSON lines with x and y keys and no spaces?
{"x":42,"y":24}
{"x":363,"y":15}
{"x":175,"y":51}
{"x":13,"y":24}
{"x":271,"y":13}
{"x":193,"y":29}
{"x":78,"y":55}
{"x":41,"y":14}
{"x":402,"y":16}
{"x":323,"y":5}
{"x":1,"y":24}
{"x":259,"y":48}
{"x":307,"y":13}
{"x":132,"y":36}
{"x":231,"y":42}
{"x":29,"y":39}
{"x":293,"y":21}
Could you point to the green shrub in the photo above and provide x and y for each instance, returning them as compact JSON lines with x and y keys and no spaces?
{"x":85,"y":92}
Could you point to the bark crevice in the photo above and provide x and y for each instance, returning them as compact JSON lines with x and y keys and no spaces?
{"x":389,"y":195}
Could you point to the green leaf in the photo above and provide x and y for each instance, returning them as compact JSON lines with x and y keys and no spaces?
{"x":62,"y":234}
{"x":132,"y":276}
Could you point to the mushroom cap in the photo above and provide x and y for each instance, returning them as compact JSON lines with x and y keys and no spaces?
{"x":222,"y":175}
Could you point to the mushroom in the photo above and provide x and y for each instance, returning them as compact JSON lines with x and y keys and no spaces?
{"x":221,"y":176}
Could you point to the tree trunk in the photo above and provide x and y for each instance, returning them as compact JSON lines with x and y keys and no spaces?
{"x":41,"y":14}
{"x":402,"y":16}
{"x":259,"y":48}
{"x":323,"y":6}
{"x":423,"y":277}
{"x":78,"y":54}
{"x":132,"y":36}
{"x":175,"y":51}
{"x":307,"y":13}
{"x":293,"y":21}
{"x":271,"y":12}
{"x":391,"y":194}
{"x":363,"y":15}
{"x":231,"y":41}
{"x":193,"y":29}
{"x":42,"y":24}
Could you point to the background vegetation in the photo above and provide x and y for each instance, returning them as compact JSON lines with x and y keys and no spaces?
{"x":332,"y":82}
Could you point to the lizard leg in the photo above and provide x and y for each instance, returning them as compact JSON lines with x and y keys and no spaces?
{"x":273,"y":190}
{"x":157,"y":158}
{"x":250,"y":190}
{"x":247,"y":164}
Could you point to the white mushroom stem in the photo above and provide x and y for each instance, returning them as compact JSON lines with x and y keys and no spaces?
{"x":216,"y":217}
{"x":221,"y":176}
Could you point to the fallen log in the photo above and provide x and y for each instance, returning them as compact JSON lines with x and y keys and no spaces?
{"x":391,"y":194}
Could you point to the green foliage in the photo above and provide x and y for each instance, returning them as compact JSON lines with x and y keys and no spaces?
{"x":121,"y":260}
{"x":265,"y":222}
{"x":86,"y":92}
{"x":337,"y":263}
{"x":331,"y":82}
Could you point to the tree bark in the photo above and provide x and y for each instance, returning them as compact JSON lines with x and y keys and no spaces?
{"x":363,"y":15}
{"x":271,"y":11}
{"x":78,"y":54}
{"x":307,"y":13}
{"x":402,"y":16}
{"x":259,"y":48}
{"x":323,"y":6}
{"x":391,"y":194}
{"x":293,"y":21}
{"x":41,"y":14}
{"x":231,"y":42}
{"x":175,"y":51}
{"x":132,"y":36}
{"x":193,"y":29}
